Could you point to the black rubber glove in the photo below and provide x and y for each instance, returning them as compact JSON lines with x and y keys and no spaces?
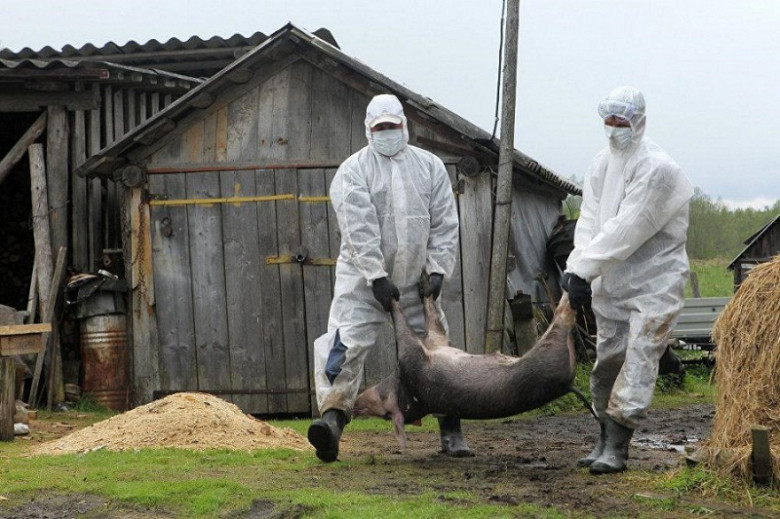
{"x":578,"y":289}
{"x":384,"y":292}
{"x":435,"y":282}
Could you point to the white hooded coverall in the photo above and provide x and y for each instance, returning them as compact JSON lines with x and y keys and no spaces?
{"x":397,"y":217}
{"x":629,"y":243}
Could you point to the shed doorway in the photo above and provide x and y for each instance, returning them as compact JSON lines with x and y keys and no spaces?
{"x":17,"y":246}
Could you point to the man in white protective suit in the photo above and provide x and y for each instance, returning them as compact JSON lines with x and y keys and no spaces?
{"x":629,"y":248}
{"x":397,"y":217}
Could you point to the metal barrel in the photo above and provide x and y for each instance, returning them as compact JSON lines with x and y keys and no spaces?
{"x":104,"y":358}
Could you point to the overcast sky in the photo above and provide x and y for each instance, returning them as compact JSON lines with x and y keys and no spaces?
{"x":709,"y":69}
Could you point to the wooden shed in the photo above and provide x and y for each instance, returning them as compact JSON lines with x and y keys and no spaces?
{"x":75,"y":102}
{"x":91,"y":96}
{"x":230,"y":243}
{"x":77,"y":108}
{"x":760,"y":247}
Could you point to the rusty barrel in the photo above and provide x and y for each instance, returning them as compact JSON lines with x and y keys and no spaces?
{"x":104,"y":357}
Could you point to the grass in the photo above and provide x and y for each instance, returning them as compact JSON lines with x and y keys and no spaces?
{"x":222,"y":483}
{"x":686,"y":490}
{"x":715,"y":280}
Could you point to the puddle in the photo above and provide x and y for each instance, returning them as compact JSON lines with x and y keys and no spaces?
{"x":663,"y":443}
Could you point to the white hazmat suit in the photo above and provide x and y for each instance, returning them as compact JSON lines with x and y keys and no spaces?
{"x":629,"y":243}
{"x":397,"y":217}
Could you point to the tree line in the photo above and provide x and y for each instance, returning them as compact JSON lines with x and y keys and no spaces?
{"x":714,"y":231}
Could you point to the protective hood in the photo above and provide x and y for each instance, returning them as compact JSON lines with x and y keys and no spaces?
{"x":385,"y":104}
{"x":627,"y":103}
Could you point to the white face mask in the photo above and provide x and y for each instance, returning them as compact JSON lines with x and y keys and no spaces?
{"x":388,"y":142}
{"x":619,"y":137}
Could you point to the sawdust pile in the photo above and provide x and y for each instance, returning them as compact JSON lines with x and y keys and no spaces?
{"x":747,"y":335}
{"x":194,"y":421}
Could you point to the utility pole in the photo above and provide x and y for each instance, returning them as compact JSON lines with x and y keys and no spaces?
{"x":494,"y":334}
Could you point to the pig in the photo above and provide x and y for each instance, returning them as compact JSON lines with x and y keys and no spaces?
{"x":433,"y":377}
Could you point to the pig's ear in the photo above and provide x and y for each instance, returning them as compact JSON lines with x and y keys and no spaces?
{"x":398,"y":428}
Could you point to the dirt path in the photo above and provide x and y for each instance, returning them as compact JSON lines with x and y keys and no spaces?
{"x":534,"y":461}
{"x":529,"y":460}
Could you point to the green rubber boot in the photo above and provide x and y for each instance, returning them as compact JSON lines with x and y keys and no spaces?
{"x":615,"y":454}
{"x":325,"y":434}
{"x":452,"y":442}
{"x":588,"y":460}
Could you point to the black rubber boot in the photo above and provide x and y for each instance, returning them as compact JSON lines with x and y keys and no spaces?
{"x":325,"y":433}
{"x":615,"y":454}
{"x":597,"y":450}
{"x":452,"y":442}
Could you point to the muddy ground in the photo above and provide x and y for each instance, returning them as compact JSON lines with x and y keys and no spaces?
{"x":530,"y":460}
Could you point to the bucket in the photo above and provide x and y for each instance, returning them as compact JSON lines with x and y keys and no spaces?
{"x":104,"y":359}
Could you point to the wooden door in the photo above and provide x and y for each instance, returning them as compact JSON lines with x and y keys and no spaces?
{"x":243,"y":280}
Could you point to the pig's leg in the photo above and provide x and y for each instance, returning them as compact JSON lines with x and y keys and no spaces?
{"x":452,"y":441}
{"x":435,"y":335}
{"x":404,"y":334}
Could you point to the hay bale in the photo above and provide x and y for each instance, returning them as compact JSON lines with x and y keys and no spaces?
{"x":747,"y":335}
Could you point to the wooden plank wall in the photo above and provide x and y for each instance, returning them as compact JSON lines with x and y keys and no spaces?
{"x":476,"y":215}
{"x":243,"y":259}
{"x":254,"y":323}
{"x":261,"y":319}
{"x":95,"y":205}
{"x":173,"y":293}
{"x":331,"y":140}
{"x":94,"y":215}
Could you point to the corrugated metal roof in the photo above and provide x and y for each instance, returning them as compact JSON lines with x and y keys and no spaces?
{"x":89,"y":50}
{"x":193,"y":57}
{"x":291,"y":33}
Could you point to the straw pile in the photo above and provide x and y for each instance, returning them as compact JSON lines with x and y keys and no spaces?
{"x":747,"y":374}
{"x":195,"y":421}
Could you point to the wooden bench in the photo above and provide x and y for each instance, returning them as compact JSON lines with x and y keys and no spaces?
{"x":15,"y":339}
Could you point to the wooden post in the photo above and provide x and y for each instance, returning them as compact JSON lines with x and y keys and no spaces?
{"x":95,"y":193}
{"x":7,"y":399}
{"x":524,"y":323}
{"x":79,"y":220}
{"x":761,"y":456}
{"x":695,"y":284}
{"x":32,"y":295}
{"x":57,"y":175}
{"x":16,"y":153}
{"x":497,"y":290}
{"x":40,"y":211}
{"x":7,"y":380}
{"x":56,"y":391}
